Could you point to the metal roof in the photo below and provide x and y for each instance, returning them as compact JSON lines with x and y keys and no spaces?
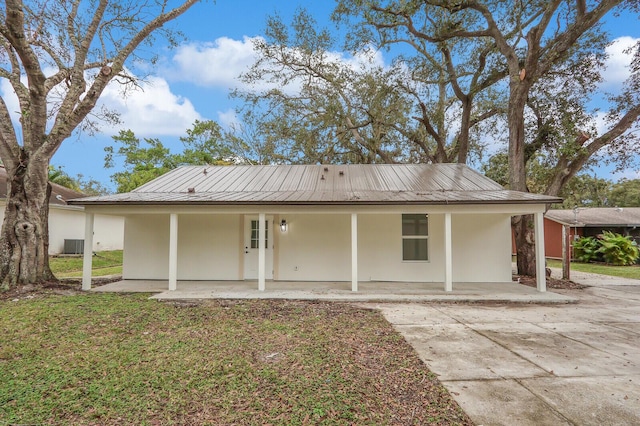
{"x":321,"y":184}
{"x":597,"y":216}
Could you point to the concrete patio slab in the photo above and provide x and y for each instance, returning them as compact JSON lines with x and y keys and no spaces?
{"x":604,"y":337}
{"x":454,"y":352}
{"x":518,"y":405}
{"x":341,"y":291}
{"x":521,"y":364}
{"x":593,"y":401}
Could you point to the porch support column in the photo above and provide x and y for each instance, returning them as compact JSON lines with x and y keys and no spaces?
{"x":173,"y":251}
{"x":261,"y":251}
{"x":566,"y":253}
{"x":354,"y":252}
{"x":87,"y":261}
{"x":541,"y":276}
{"x":448,"y":263}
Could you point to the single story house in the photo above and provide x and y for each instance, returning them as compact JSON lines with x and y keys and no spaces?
{"x":588,"y":222}
{"x":385,"y":222}
{"x":66,"y":222}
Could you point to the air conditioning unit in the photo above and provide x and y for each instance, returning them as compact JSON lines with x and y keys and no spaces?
{"x":73,"y":246}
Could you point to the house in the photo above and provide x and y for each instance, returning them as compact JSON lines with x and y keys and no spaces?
{"x":67,"y":222}
{"x":588,"y":221}
{"x":404,"y":223}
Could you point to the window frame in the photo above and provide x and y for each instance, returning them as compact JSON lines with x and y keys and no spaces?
{"x":255,"y":232}
{"x":416,"y":236}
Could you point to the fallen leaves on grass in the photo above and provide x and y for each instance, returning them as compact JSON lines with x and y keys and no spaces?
{"x":104,"y":359}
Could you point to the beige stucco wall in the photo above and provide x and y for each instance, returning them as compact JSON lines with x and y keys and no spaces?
{"x":208,"y":247}
{"x":317,"y":247}
{"x":68,"y":223}
{"x":481,"y":248}
{"x":108,"y":232}
{"x":380,"y":250}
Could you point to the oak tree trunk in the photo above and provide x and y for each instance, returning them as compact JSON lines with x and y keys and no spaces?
{"x":524,"y":234}
{"x":24,"y":239}
{"x":522,"y":226}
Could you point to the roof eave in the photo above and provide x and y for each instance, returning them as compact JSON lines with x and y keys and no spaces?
{"x":306,"y":203}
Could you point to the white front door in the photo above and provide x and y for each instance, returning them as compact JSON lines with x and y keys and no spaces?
{"x":251,"y":247}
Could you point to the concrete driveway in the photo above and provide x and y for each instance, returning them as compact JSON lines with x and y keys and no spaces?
{"x":508,"y":364}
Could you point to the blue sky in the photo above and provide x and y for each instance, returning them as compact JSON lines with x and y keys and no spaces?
{"x":193,"y":81}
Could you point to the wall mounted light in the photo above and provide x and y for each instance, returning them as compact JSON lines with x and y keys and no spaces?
{"x":283,"y":225}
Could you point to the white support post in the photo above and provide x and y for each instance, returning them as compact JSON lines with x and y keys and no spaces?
{"x":354,"y":252}
{"x":448,"y":254}
{"x":541,"y":276}
{"x":87,"y":261}
{"x":173,"y":252}
{"x":261,"y":251}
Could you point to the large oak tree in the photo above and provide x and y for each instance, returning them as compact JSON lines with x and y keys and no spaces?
{"x":58,"y":56}
{"x":535,"y":41}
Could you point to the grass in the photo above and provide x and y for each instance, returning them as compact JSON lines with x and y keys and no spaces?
{"x":104,"y":263}
{"x":124,"y":359}
{"x":599,"y":268}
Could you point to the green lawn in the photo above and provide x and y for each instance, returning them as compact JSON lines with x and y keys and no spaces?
{"x":597,"y":268}
{"x":104,"y":263}
{"x":124,"y":359}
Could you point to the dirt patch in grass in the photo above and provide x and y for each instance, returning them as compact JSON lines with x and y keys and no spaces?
{"x":64,"y":287}
{"x":554,"y":283}
{"x":124,"y":359}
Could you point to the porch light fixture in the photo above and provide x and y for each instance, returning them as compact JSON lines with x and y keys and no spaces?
{"x":283,"y":225}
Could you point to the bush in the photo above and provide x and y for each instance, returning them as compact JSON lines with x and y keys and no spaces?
{"x":617,"y":249}
{"x":586,"y":249}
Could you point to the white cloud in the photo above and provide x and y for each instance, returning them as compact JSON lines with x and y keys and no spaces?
{"x":228,"y":118}
{"x":151,"y":110}
{"x":214,"y":64}
{"x":618,"y":61}
{"x":220,"y":63}
{"x":10,"y":99}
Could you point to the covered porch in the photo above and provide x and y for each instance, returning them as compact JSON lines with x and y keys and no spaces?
{"x":348,"y":246}
{"x":370,"y":291}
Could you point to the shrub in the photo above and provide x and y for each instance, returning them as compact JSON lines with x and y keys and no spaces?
{"x":586,"y":249}
{"x":617,"y":249}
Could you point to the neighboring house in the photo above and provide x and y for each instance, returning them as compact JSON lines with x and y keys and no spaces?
{"x":406,"y":223}
{"x":67,"y":222}
{"x":589,"y":221}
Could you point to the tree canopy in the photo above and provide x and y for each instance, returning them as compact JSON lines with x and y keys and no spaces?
{"x":147,"y":159}
{"x":58,"y":57}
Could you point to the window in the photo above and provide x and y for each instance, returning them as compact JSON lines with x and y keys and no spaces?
{"x":255,"y":234}
{"x":415,"y":237}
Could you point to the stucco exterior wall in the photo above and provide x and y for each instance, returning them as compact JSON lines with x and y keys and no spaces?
{"x":208,"y":247}
{"x":317,"y":247}
{"x":146,"y":247}
{"x":64,"y":224}
{"x":108,"y":232}
{"x":380,"y":250}
{"x":481,"y":248}
{"x":68,"y":224}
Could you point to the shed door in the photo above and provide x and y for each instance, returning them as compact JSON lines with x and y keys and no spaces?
{"x":251,"y":237}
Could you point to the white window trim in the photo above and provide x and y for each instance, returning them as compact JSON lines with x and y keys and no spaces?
{"x":416,"y":237}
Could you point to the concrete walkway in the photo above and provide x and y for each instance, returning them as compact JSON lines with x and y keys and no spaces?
{"x":575,"y":364}
{"x":341,"y":291}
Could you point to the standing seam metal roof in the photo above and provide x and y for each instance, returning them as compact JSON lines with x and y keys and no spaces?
{"x":597,"y":216}
{"x":321,"y":184}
